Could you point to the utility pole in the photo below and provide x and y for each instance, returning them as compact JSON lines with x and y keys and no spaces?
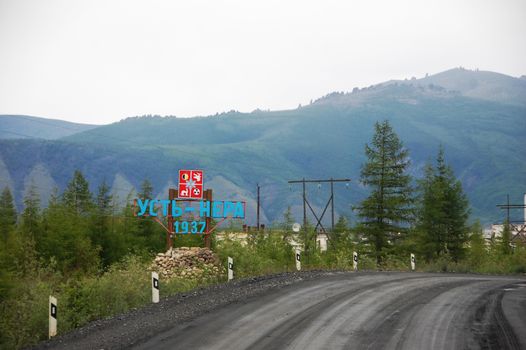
{"x":208,"y":197}
{"x":332,"y":204}
{"x":517,"y":226}
{"x":172,"y":194}
{"x":508,"y":208}
{"x":258,"y":209}
{"x":304,"y":213}
{"x":306,"y":203}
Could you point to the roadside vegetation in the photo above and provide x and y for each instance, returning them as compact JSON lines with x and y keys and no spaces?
{"x":94,"y":256}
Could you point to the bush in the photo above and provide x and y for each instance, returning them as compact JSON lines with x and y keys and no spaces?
{"x":263,"y":254}
{"x":125,"y":285}
{"x":24,"y":313}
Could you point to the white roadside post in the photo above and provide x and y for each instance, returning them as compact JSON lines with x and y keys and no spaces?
{"x":155,"y":287}
{"x":52,"y":316}
{"x":413,"y":262}
{"x":355,"y":261}
{"x":230,"y":268}
{"x":298,"y":260}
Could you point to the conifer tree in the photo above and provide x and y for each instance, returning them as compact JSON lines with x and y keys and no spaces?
{"x":443,"y":212}
{"x":147,"y":233}
{"x":340,"y":237}
{"x":477,"y":246}
{"x":30,"y":218}
{"x":111,"y":246}
{"x":7,"y":213}
{"x":286,"y":226}
{"x":387,"y":211}
{"x":77,"y":196}
{"x":103,"y":208}
{"x":145,"y":224}
{"x":8,"y":218}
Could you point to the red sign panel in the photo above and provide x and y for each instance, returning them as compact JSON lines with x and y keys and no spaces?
{"x":191,"y":184}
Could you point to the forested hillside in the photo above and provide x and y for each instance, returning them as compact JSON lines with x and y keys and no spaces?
{"x":483,"y":140}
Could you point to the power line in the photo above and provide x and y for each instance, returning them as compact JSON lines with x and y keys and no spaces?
{"x":306,"y":203}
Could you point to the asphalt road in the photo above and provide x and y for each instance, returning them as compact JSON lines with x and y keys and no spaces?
{"x":339,"y":311}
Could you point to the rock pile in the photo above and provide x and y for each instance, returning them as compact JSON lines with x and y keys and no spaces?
{"x":185,"y":262}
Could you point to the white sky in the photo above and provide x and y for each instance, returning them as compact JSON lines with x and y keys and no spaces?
{"x":101,"y":61}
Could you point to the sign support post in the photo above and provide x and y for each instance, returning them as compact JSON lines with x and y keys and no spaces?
{"x":230,"y":269}
{"x":298,"y":260}
{"x":155,"y":287}
{"x":52,"y":316}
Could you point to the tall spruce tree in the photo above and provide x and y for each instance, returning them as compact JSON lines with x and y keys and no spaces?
{"x":145,"y":223}
{"x":7,"y":213}
{"x":103,"y":208}
{"x":31,"y":216}
{"x":341,"y":236}
{"x":7,"y":226}
{"x":286,"y":225}
{"x":443,"y":212}
{"x":77,"y":195}
{"x":111,"y":246}
{"x":477,"y":252}
{"x":387,"y":211}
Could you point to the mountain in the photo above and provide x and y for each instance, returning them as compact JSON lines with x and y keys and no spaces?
{"x":23,"y":126}
{"x":484,"y":85}
{"x":483,"y":140}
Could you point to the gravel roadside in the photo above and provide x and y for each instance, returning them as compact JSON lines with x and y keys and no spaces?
{"x":122,"y":331}
{"x":216,"y":308}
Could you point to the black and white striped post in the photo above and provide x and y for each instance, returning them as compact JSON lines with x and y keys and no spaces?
{"x":413,"y":262}
{"x":52,"y":316}
{"x":155,"y":287}
{"x":355,"y":261}
{"x":230,"y":267}
{"x":298,"y":260}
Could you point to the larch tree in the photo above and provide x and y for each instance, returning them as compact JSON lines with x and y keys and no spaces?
{"x":8,"y":213}
{"x":77,"y":195}
{"x":386,"y":213}
{"x":31,"y":216}
{"x":443,"y":212}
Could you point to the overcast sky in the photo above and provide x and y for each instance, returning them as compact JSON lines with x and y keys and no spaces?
{"x":101,"y":61}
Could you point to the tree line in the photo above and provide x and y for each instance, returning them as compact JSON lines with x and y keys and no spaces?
{"x":77,"y":231}
{"x":427,"y":216}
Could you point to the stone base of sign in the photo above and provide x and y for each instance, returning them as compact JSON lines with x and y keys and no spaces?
{"x":185,"y":262}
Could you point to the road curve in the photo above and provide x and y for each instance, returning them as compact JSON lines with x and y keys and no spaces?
{"x":350,"y":311}
{"x":377,"y":311}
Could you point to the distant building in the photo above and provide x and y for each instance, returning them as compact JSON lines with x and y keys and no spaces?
{"x":518,"y":232}
{"x":321,"y":241}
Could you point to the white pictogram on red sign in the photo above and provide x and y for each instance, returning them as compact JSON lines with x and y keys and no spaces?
{"x":191,"y":184}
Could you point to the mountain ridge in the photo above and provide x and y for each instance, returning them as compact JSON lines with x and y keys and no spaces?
{"x":23,"y":126}
{"x":483,"y":140}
